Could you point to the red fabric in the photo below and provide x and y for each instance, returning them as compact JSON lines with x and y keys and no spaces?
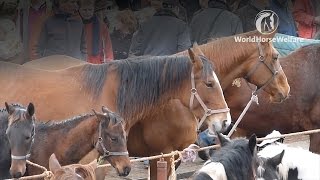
{"x":105,"y":45}
{"x":304,"y":15}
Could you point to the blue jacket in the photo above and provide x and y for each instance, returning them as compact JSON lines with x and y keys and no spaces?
{"x":286,"y":21}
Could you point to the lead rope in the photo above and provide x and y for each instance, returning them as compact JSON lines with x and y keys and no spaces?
{"x":254,"y":98}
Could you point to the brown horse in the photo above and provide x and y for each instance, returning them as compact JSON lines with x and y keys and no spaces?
{"x":243,"y":61}
{"x":299,"y":112}
{"x":159,"y":79}
{"x":73,"y":171}
{"x":232,"y":60}
{"x":146,"y":85}
{"x":70,"y":140}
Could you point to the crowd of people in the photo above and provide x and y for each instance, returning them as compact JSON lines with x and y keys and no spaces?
{"x":98,"y":31}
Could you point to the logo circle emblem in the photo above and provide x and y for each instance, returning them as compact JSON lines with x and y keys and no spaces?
{"x":267,"y":22}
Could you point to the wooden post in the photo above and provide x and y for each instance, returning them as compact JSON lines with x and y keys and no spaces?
{"x":162,"y":169}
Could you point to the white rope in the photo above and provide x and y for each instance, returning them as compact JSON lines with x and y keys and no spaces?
{"x":254,"y":98}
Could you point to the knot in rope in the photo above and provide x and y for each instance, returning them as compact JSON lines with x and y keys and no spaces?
{"x":189,"y":154}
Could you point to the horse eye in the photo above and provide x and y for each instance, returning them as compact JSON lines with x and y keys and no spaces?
{"x":28,"y":137}
{"x":209,"y":84}
{"x":114,"y":139}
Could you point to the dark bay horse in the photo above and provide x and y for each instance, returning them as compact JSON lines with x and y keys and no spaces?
{"x":301,"y":111}
{"x":235,"y":160}
{"x":5,"y":159}
{"x":70,"y":140}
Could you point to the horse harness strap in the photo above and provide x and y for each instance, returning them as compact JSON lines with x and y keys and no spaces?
{"x":207,"y":112}
{"x":107,"y":153}
{"x":27,"y":156}
{"x":262,"y":61}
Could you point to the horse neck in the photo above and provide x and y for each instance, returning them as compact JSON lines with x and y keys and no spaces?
{"x":66,"y":138}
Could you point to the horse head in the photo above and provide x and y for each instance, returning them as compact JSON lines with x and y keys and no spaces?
{"x":207,"y":101}
{"x":268,"y":167}
{"x":20,"y":133}
{"x":73,"y":171}
{"x":235,"y":158}
{"x":264,"y":69}
{"x":112,"y":142}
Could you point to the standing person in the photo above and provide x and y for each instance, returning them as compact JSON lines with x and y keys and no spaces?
{"x":221,"y":23}
{"x":163,"y":34}
{"x":249,"y":12}
{"x":39,"y":11}
{"x":10,"y":44}
{"x":307,"y":14}
{"x":286,"y":22}
{"x":98,"y":42}
{"x":62,"y":34}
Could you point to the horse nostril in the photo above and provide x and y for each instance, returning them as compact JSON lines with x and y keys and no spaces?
{"x":17,"y":175}
{"x":126,"y":171}
{"x":225,"y":124}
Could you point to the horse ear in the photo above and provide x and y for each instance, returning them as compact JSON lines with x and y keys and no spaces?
{"x":252,"y":143}
{"x":276,"y":160}
{"x":81,"y":172}
{"x":195,"y":59}
{"x":105,"y":109}
{"x":223,"y":140}
{"x":54,"y":164}
{"x":9,"y":108}
{"x":102,"y":117}
{"x":30,"y":109}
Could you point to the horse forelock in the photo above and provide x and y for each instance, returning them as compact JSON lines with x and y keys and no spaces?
{"x":18,"y":115}
{"x":145,"y":80}
{"x":236,"y":158}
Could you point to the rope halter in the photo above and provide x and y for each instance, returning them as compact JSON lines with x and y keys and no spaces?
{"x":107,"y":153}
{"x":207,"y":111}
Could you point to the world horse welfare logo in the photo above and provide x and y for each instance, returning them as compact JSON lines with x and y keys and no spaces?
{"x":267,"y":21}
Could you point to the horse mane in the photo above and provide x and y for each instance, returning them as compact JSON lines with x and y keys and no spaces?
{"x":14,"y":105}
{"x":68,"y":123}
{"x":143,"y":80}
{"x":236,"y":158}
{"x":216,"y":48}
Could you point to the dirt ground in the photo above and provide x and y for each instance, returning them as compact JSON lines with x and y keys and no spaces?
{"x":140,"y":172}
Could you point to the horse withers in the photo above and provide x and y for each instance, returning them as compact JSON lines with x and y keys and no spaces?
{"x":235,"y":160}
{"x":70,"y":140}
